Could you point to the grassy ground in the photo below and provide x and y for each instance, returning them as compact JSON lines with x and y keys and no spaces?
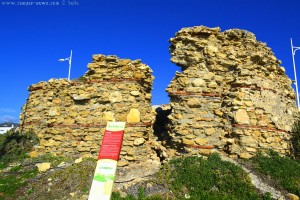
{"x":192,"y":178}
{"x":198,"y":178}
{"x":20,"y":179}
{"x":282,"y":172}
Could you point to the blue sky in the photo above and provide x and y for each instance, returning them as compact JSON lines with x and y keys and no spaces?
{"x":34,"y":36}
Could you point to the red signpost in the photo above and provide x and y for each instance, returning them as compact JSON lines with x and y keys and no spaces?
{"x":111,"y":145}
{"x":107,"y":161}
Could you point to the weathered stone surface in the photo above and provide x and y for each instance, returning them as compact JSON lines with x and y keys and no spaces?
{"x":122,"y":163}
{"x":135,"y":93}
{"x":109,"y":116}
{"x":33,"y":154}
{"x":70,"y":116}
{"x":80,"y":96}
{"x":209,"y":131}
{"x":231,"y":95}
{"x":139,"y":141}
{"x":245,"y":155}
{"x":188,"y":142}
{"x":78,"y":160}
{"x":231,"y":88}
{"x":194,"y":103}
{"x":248,"y":141}
{"x":201,"y":141}
{"x":241,"y":117}
{"x":115,"y":96}
{"x":205,"y":152}
{"x":198,"y":82}
{"x":133,"y":116}
{"x":291,"y":196}
{"x":54,"y":111}
{"x":42,"y":167}
{"x":134,"y":173}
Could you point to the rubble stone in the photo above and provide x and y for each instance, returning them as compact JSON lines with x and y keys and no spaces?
{"x":69,"y":117}
{"x":42,"y":167}
{"x":234,"y":87}
{"x":231,"y":95}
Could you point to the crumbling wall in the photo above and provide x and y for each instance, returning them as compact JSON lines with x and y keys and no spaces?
{"x":231,"y":95}
{"x":69,"y":117}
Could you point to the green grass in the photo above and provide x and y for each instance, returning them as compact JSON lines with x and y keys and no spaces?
{"x":73,"y":178}
{"x":295,"y":139}
{"x":16,"y":178}
{"x":194,"y":178}
{"x":285,"y":171}
{"x":141,"y":196}
{"x":54,"y":160}
{"x":197,"y":178}
{"x":13,"y":150}
{"x":14,"y":147}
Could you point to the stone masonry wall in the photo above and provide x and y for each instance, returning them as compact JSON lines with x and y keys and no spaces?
{"x":231,"y":95}
{"x":70,"y":117}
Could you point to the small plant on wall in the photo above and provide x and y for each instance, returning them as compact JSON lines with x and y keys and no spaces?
{"x":295,"y":140}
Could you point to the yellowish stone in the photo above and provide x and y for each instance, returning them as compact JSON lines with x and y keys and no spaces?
{"x":42,"y":167}
{"x":133,"y":116}
{"x":109,"y":116}
{"x":241,"y":117}
{"x":201,"y":141}
{"x":246,"y":155}
{"x":33,"y":154}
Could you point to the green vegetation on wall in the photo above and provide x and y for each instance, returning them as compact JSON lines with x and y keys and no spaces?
{"x":296,"y":140}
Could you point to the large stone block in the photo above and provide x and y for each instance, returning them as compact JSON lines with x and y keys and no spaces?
{"x":201,"y":141}
{"x":115,"y":96}
{"x":133,"y":116}
{"x":241,"y":117}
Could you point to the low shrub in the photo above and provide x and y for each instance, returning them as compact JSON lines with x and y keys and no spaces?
{"x":295,"y":140}
{"x":196,"y":178}
{"x":14,"y":146}
{"x":14,"y":179}
{"x":62,"y":181}
{"x":141,"y":196}
{"x":283,"y":170}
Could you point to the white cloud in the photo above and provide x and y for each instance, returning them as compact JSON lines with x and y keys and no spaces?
{"x":7,"y":110}
{"x":8,"y":115}
{"x":9,"y":118}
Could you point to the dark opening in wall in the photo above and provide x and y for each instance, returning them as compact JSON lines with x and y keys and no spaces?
{"x":160,"y":126}
{"x":81,"y":101}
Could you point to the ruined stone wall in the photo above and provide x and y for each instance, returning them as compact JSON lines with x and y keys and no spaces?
{"x":231,"y":95}
{"x":70,"y":117}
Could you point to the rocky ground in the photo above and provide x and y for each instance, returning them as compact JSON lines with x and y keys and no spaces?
{"x":70,"y":178}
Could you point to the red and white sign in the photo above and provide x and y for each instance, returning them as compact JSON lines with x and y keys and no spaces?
{"x":107,"y":161}
{"x":111,"y":145}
